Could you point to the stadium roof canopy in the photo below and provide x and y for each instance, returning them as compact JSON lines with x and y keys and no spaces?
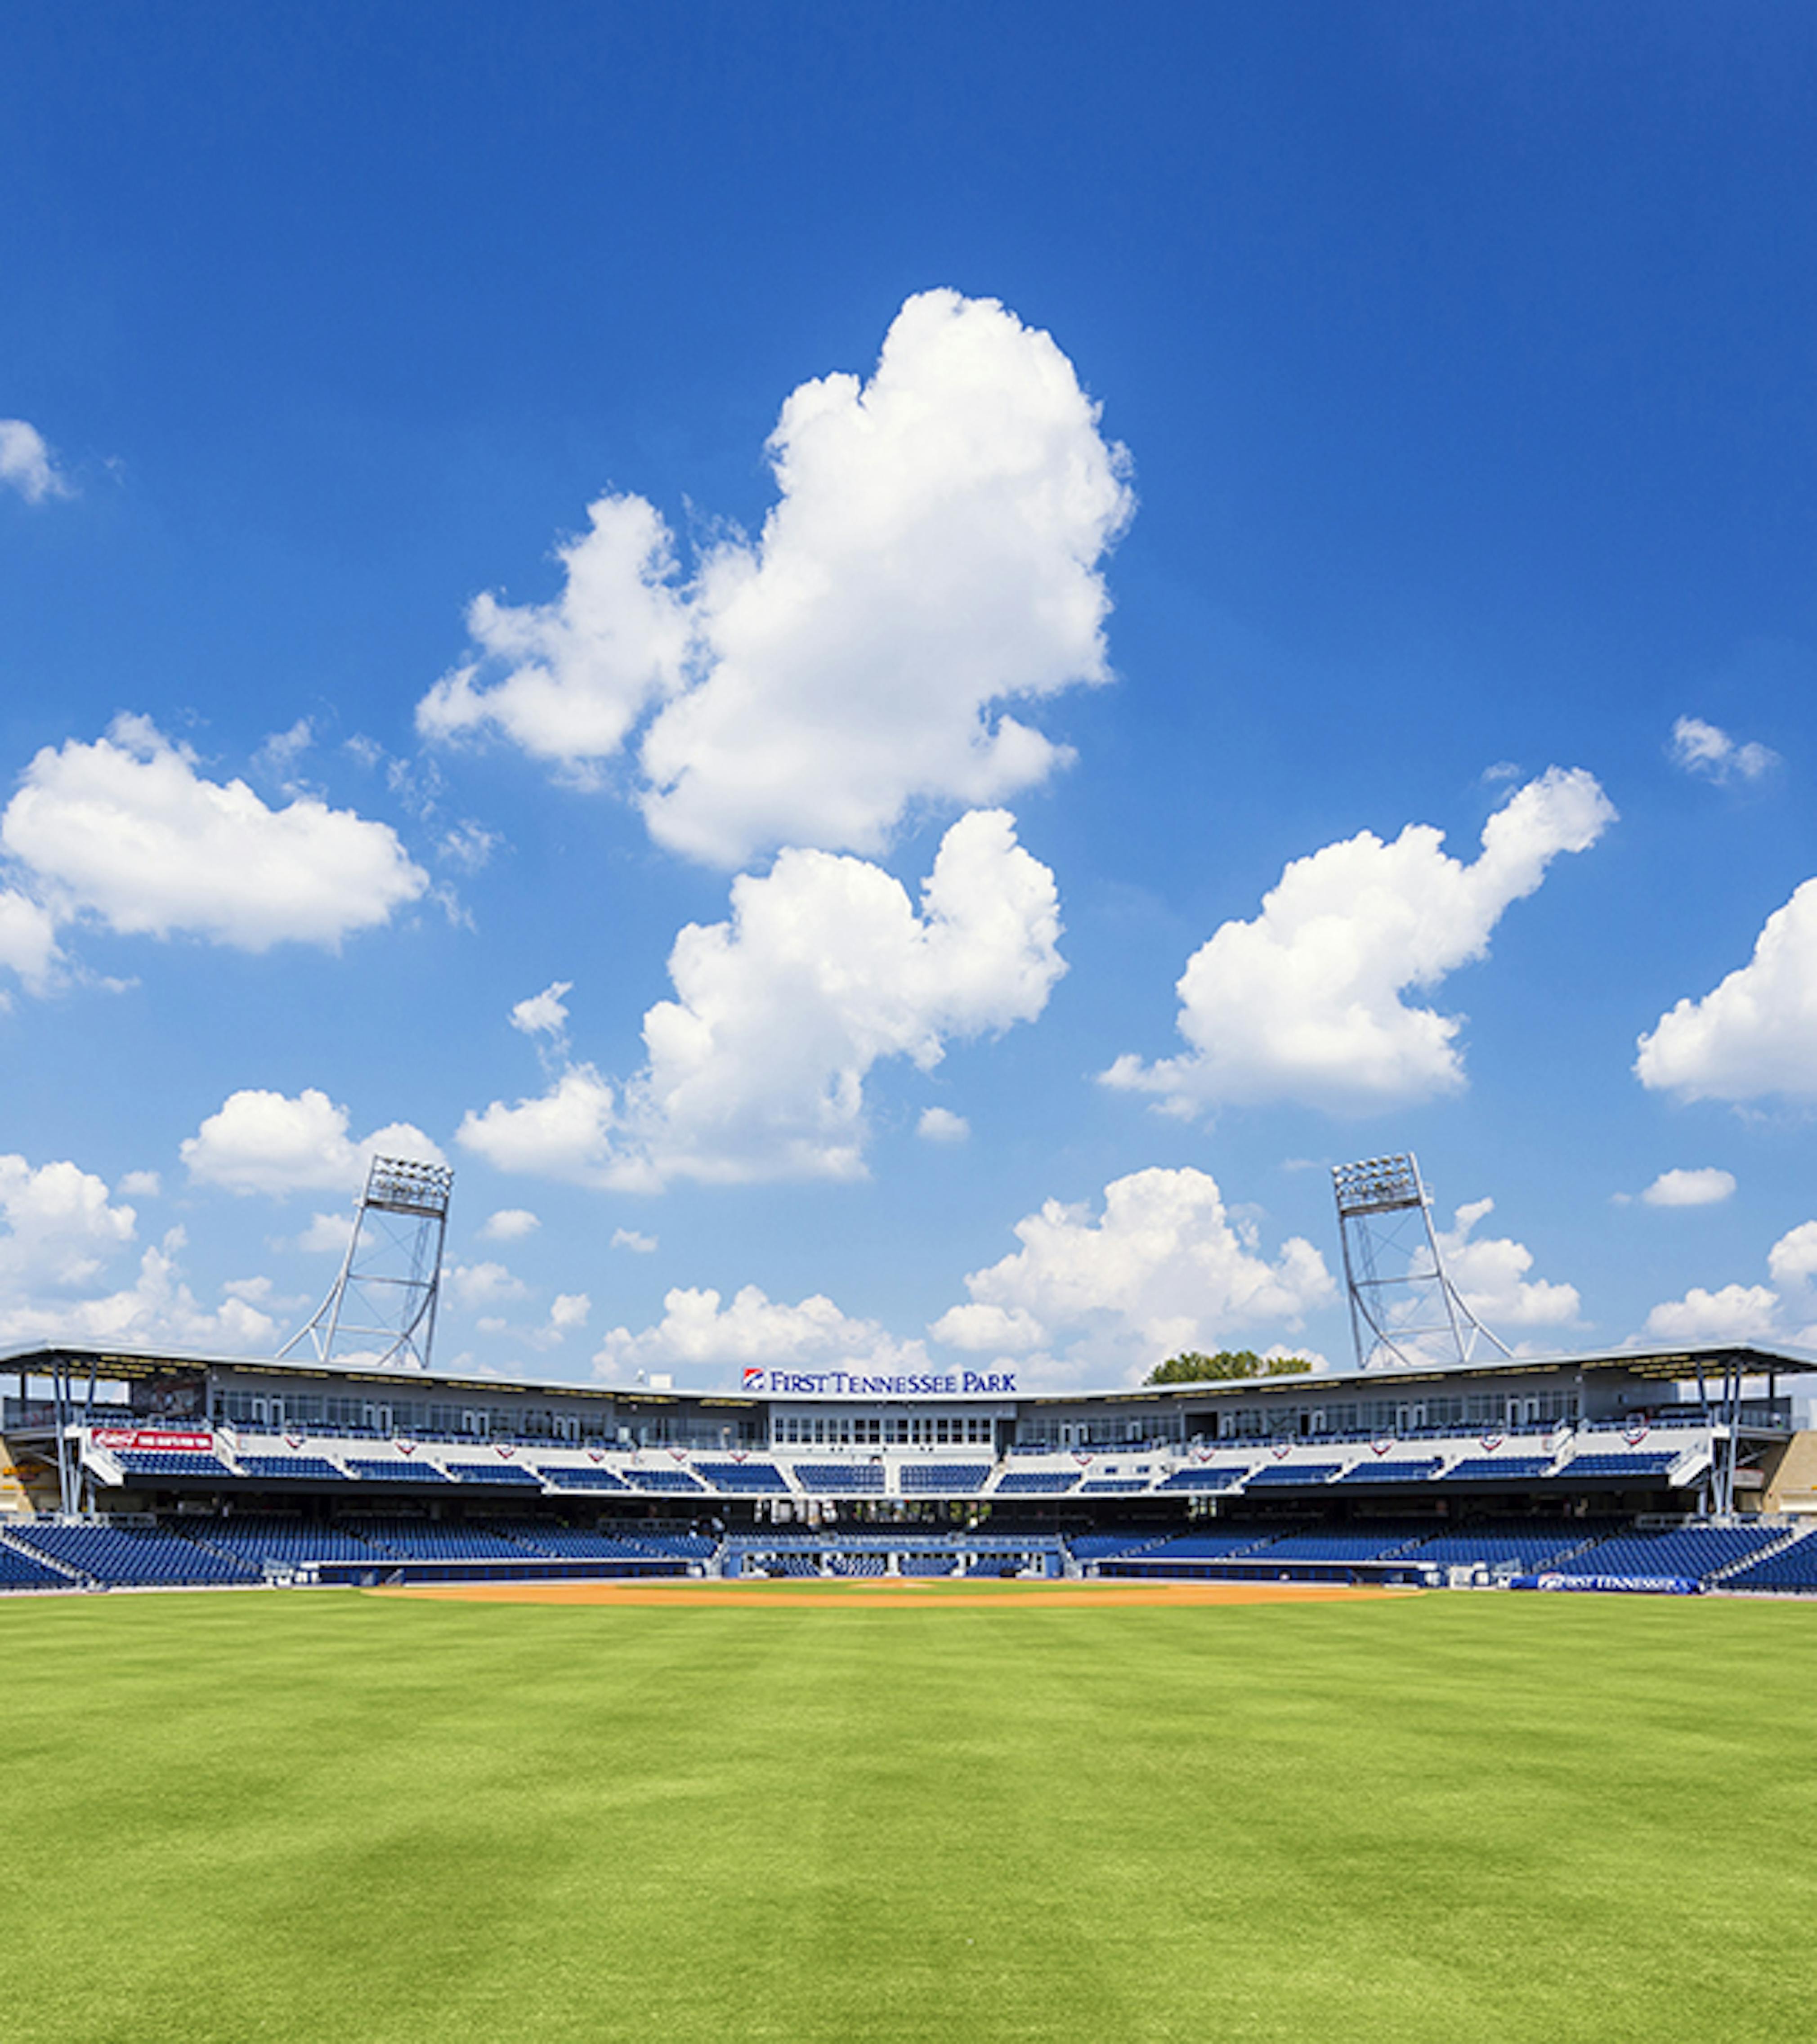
{"x":1687,"y":1362}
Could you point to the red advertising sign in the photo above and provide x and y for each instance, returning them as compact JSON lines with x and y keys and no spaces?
{"x":154,"y":1438}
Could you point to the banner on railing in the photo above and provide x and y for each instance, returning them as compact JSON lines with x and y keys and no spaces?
{"x":156,"y":1438}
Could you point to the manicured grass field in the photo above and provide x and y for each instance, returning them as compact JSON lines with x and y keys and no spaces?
{"x":331,"y":1816}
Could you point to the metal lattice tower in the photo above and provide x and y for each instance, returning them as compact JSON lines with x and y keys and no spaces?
{"x":1403,"y":1307}
{"x":384,"y":1300}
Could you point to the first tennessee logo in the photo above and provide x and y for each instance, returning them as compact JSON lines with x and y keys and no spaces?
{"x":753,"y":1380}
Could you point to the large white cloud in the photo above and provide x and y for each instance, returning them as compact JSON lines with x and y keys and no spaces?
{"x":1305,"y":1003}
{"x":1490,"y":1273}
{"x":1755,"y":1033}
{"x":699,"y":1330}
{"x":28,"y":938}
{"x":1734,"y":1313}
{"x":128,"y":831}
{"x":1737,"y":1313}
{"x":259,"y":1141}
{"x":933,"y":558}
{"x":60,"y":1227}
{"x":570,"y":678}
{"x":61,"y":1223}
{"x":27,"y":464}
{"x":1166,"y":1266}
{"x":757,"y":1068}
{"x":1706,"y":1185}
{"x":1707,"y":749}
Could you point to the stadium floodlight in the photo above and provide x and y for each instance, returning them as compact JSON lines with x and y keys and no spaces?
{"x":1403,"y":1307}
{"x":382,"y":1308}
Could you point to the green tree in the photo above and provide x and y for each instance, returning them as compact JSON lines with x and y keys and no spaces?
{"x":1192,"y":1367}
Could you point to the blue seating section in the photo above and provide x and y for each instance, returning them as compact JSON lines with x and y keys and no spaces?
{"x":132,"y":1555}
{"x":661,"y":1479}
{"x":1288,"y":1476}
{"x":514,"y":1472}
{"x":571,"y":1544}
{"x":1204,"y":1479}
{"x":1691,"y":1551}
{"x":310,"y":1468}
{"x":858,"y":1565}
{"x":424,"y":1540}
{"x":1106,"y":1486}
{"x":743,"y":1479}
{"x":1793,"y":1568}
{"x":142,"y":1462}
{"x":679,"y":1546}
{"x":840,"y":1479}
{"x":1335,"y":1546}
{"x":1037,"y":1483}
{"x":948,"y":1476}
{"x":22,"y":1571}
{"x":1100,"y":1547}
{"x":395,"y":1468}
{"x":927,"y":1565}
{"x":277,"y":1538}
{"x":1639,"y":1467}
{"x":565,"y":1477}
{"x":1393,"y":1472}
{"x":1203,"y":1546}
{"x":1499,"y":1468}
{"x":1530,"y":1548}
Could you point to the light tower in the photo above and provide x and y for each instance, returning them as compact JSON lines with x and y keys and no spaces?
{"x":384,"y":1297}
{"x":1403,"y":1307}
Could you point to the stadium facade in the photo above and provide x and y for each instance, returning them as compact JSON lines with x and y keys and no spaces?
{"x":1668,"y":1469}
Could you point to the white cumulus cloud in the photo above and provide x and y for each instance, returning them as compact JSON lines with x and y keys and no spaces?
{"x":1166,"y":1266}
{"x":933,"y":558}
{"x":27,"y":464}
{"x":1735,"y":1313}
{"x":1706,"y":1186}
{"x":1707,"y":749}
{"x":634,"y":1239}
{"x":1756,"y":1033}
{"x":1490,"y":1273}
{"x":940,"y":1124}
{"x":1305,"y":1003}
{"x":757,"y":1069}
{"x":1793,"y":1259}
{"x":510,"y":1224}
{"x":698,"y":1330}
{"x":127,"y":831}
{"x":259,"y":1141}
{"x":61,"y":1223}
{"x":28,"y":938}
{"x":544,"y":1014}
{"x":567,"y":680}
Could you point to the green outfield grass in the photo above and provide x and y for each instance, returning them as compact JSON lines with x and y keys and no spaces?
{"x":330,"y":1816}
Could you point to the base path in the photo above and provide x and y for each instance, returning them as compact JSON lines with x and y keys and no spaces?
{"x":915,"y":1592}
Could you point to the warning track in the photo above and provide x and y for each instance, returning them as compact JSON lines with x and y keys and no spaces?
{"x":914,"y":1593}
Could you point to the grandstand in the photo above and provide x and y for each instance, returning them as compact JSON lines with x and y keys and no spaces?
{"x":1678,"y":1470}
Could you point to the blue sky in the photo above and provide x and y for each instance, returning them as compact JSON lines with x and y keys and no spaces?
{"x":714,"y":615}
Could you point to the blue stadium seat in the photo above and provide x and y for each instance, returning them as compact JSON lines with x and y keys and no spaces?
{"x":564,"y":1476}
{"x":1205,"y":1479}
{"x":840,"y":1479}
{"x":395,"y":1468}
{"x":311,"y":1469}
{"x":495,"y":1472}
{"x":743,"y":1479}
{"x":1037,"y":1483}
{"x":953,"y":1478}
{"x":1290,"y":1476}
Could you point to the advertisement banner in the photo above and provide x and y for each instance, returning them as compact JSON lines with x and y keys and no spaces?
{"x":156,"y":1438}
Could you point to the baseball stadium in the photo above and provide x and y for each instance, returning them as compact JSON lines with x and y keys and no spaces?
{"x":834,"y":1705}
